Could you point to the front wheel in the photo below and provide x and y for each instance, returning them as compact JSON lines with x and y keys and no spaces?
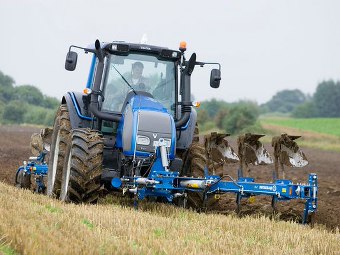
{"x":83,"y":167}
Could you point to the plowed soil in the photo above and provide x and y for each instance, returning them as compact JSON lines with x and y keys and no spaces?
{"x":14,"y":148}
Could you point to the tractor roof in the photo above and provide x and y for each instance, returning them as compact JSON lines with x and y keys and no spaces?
{"x":132,"y":47}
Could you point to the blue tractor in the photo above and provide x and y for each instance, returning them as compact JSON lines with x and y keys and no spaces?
{"x":136,"y":107}
{"x":134,"y":129}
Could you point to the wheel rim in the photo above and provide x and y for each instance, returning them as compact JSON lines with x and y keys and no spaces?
{"x":66,"y":179}
{"x":18,"y":179}
{"x":54,"y":165}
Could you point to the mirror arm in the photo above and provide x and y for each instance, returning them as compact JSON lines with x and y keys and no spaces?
{"x":78,"y":47}
{"x":201,"y":64}
{"x":98,"y":51}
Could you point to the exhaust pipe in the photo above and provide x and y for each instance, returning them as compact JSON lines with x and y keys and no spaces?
{"x":186,"y":92}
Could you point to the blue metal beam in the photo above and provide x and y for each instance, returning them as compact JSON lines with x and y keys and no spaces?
{"x":166,"y":184}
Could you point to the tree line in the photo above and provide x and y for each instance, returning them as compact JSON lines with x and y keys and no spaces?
{"x":24,"y":104}
{"x":239,"y":117}
{"x":242,"y":116}
{"x":325,"y":102}
{"x":27,"y":104}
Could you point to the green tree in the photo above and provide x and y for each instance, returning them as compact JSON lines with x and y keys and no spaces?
{"x":327,"y":99}
{"x":202,"y":116}
{"x":25,"y":104}
{"x":285,"y":101}
{"x":213,"y":106}
{"x":211,"y":114}
{"x":241,"y":116}
{"x":5,"y":80}
{"x":49,"y":119}
{"x":39,"y":115}
{"x":222,"y":113}
{"x":305,"y":110}
{"x":14,"y":112}
{"x":6,"y":87}
{"x":2,"y":106}
{"x":29,"y":94}
{"x":50,"y":102}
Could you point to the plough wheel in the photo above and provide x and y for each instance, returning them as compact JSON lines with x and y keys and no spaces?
{"x":22,"y":180}
{"x":60,"y":138}
{"x":312,"y":219}
{"x":83,"y":167}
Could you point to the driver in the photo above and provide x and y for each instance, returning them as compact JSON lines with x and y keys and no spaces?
{"x":116,"y":93}
{"x":137,"y":80}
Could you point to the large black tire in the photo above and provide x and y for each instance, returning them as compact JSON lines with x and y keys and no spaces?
{"x":83,"y":167}
{"x":194,"y":160}
{"x":194,"y":164}
{"x":60,"y":138}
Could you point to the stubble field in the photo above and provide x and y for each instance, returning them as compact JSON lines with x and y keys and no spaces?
{"x":14,"y":148}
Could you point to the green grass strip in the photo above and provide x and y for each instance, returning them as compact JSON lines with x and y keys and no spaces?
{"x":330,"y":126}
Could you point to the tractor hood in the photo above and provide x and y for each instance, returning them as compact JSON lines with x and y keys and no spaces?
{"x":144,"y":123}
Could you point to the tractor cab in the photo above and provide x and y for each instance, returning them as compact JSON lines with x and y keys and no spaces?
{"x":118,"y":68}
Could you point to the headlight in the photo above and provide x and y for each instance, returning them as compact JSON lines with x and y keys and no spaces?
{"x":143,"y":140}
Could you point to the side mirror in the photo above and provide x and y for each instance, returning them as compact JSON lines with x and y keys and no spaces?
{"x":215,"y":78}
{"x":71,"y":61}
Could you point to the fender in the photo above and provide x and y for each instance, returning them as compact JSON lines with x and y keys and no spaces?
{"x":75,"y":106}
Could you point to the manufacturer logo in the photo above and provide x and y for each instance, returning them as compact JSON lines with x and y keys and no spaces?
{"x":154,"y":135}
{"x":273,"y":188}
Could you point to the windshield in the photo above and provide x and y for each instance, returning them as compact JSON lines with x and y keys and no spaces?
{"x":142,"y":73}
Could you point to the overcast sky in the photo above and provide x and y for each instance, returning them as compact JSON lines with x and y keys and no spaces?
{"x":264,"y":46}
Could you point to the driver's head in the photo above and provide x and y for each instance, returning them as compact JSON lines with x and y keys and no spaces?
{"x":137,"y":69}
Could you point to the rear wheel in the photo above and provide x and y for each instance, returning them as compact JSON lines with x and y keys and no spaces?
{"x":83,"y":167}
{"x":60,"y":138}
{"x":194,"y":164}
